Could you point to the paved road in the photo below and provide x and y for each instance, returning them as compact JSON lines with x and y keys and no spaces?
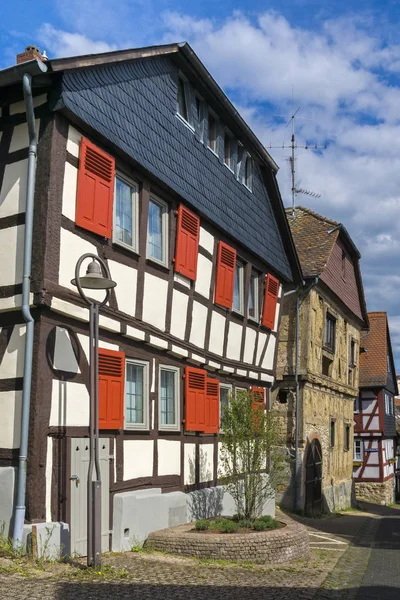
{"x":368,"y":569}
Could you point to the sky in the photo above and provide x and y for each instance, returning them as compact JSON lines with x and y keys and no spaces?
{"x":339,"y":61}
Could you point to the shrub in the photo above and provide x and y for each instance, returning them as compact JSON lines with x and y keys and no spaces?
{"x":202,"y":524}
{"x":245,"y":523}
{"x":235,"y":518}
{"x":266,"y":518}
{"x":226,"y":526}
{"x":264,"y":525}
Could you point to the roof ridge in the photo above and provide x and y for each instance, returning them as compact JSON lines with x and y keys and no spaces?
{"x":314,"y":214}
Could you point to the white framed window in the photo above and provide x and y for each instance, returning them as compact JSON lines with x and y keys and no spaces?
{"x":389,"y":408}
{"x":248,"y":173}
{"x":136,"y":394}
{"x":212,"y":138}
{"x":238,"y":288}
{"x":358,"y":450}
{"x":238,"y":390}
{"x":225,"y":390}
{"x":168,"y":397}
{"x":184,"y":105}
{"x":252,"y":300}
{"x":228,"y":149}
{"x":357,"y":403}
{"x":201,"y":109}
{"x":157,"y":231}
{"x":126,"y":213}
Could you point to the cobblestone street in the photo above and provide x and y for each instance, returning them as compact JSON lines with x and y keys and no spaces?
{"x":341,"y":550}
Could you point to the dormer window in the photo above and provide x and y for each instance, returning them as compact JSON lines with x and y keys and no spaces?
{"x":228,"y":151}
{"x":212,"y":132}
{"x":248,"y":173}
{"x":182,"y":105}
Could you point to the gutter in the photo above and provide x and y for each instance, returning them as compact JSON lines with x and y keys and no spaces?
{"x":26,"y":70}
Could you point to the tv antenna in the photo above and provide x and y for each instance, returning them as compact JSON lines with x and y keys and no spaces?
{"x":292,"y":158}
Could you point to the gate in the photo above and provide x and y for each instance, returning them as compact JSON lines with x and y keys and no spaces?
{"x":78,"y":491}
{"x":314,"y":479}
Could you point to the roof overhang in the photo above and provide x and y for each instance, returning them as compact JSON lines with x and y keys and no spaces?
{"x":14,"y":74}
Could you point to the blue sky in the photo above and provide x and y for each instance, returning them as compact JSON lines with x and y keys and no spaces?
{"x":342,"y":59}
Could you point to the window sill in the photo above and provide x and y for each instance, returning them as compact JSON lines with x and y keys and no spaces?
{"x":247,"y":188}
{"x":122,"y":246}
{"x":229,"y":168}
{"x":186,"y":123}
{"x":143,"y":428}
{"x":237,"y":313}
{"x":329,"y":350}
{"x":213,"y":151}
{"x":154,"y":261}
{"x":171,"y":429}
{"x":254,"y":320}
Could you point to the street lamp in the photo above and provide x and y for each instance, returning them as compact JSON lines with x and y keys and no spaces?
{"x":97,"y":278}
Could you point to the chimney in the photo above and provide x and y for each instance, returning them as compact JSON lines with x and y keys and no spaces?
{"x":31,"y":52}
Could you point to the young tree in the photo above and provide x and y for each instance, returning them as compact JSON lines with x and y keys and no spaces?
{"x":252,"y":463}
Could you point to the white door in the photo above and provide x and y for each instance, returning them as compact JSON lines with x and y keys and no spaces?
{"x":78,"y":490}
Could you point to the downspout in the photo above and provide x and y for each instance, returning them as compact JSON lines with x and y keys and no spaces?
{"x":19,"y":514}
{"x":296,"y":379}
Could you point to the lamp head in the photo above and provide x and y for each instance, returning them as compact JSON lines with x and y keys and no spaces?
{"x":94,"y":278}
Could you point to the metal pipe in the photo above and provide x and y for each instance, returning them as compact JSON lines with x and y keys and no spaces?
{"x":19,"y":513}
{"x":91,"y":440}
{"x":296,"y":378}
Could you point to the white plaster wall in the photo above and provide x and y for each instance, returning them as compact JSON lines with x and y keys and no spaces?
{"x":217,"y":333}
{"x":189,"y":464}
{"x":110,"y":324}
{"x":10,"y":422}
{"x":268,"y":361}
{"x":198,"y":330}
{"x":69,"y":191}
{"x":206,"y":240}
{"x":262,"y":338}
{"x":368,"y":406}
{"x":138,"y":458}
{"x":126,"y":278}
{"x":13,"y":189}
{"x":182,"y":280}
{"x":64,"y":357}
{"x":249,"y":345}
{"x":278,"y":307}
{"x":73,"y":141}
{"x":11,"y":255}
{"x":11,"y":302}
{"x":69,"y":404}
{"x":19,"y":107}
{"x":84,"y":341}
{"x":49,"y":471}
{"x":72,"y":310}
{"x":371,"y":472}
{"x":234,"y":341}
{"x":155,"y":300}
{"x":373,"y":458}
{"x":169,"y":457}
{"x":12,"y":364}
{"x":179,"y":314}
{"x":20,"y":136}
{"x":134,"y":333}
{"x":203,"y":281}
{"x":206,"y":462}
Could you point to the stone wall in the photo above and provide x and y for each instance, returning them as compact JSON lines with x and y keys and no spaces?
{"x":379,"y":493}
{"x":278,"y":545}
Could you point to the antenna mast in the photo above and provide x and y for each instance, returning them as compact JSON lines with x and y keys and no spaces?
{"x":292,"y":159}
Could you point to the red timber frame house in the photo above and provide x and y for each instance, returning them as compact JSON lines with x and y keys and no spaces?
{"x":374,"y":416}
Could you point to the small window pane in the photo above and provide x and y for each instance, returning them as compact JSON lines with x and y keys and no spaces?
{"x":182,"y":108}
{"x":357,"y":450}
{"x":124,"y":210}
{"x":238,"y":288}
{"x":212,"y":132}
{"x":134,"y":394}
{"x":223,"y":398}
{"x":228,"y":150}
{"x":253,"y":297}
{"x":333,"y":433}
{"x":167,"y":393}
{"x":155,"y":242}
{"x":248,"y":171}
{"x":330,"y":327}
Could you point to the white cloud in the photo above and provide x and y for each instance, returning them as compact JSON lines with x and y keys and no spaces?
{"x":63,"y":43}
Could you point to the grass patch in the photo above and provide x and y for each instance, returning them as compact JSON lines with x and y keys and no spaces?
{"x":235,"y":524}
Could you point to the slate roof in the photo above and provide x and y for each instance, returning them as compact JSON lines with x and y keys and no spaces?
{"x":312,"y":239}
{"x":129,"y":98}
{"x":373,"y":362}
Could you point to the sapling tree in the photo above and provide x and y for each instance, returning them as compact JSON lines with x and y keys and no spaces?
{"x":252,"y":463}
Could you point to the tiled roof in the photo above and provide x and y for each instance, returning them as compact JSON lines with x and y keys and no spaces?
{"x":373,"y":361}
{"x":312,"y":239}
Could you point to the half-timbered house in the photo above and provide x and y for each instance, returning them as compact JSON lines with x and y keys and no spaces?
{"x":331,"y":313}
{"x":374,"y":416}
{"x":143,"y":161}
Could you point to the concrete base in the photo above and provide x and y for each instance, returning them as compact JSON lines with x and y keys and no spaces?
{"x":7,"y":487}
{"x":50,"y":541}
{"x":338,"y":497}
{"x":377,"y":493}
{"x":136,"y":514}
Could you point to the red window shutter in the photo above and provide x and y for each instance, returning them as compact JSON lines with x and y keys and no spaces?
{"x":111,"y":389}
{"x":195,"y":397}
{"x":187,"y":243}
{"x":95,"y":191}
{"x":212,"y":406}
{"x":226,"y":263}
{"x":258,"y":394}
{"x":270,"y":300}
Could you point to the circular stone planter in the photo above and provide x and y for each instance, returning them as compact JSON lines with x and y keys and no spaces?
{"x":277,"y":545}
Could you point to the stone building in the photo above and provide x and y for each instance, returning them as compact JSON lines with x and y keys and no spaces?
{"x":331,"y":311}
{"x":374,"y":415}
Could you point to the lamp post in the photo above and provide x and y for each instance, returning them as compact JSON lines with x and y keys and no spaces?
{"x":97,"y":278}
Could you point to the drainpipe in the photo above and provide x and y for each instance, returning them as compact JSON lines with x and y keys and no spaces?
{"x":296,"y":378}
{"x":19,"y":514}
